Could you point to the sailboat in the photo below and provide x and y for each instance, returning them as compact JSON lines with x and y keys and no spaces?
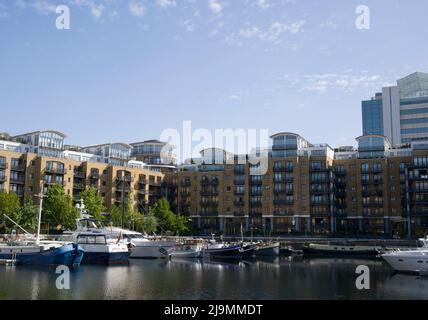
{"x":33,"y":251}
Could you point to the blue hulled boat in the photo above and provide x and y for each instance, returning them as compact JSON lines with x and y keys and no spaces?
{"x":44,"y":253}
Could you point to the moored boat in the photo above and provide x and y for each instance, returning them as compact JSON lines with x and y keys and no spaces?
{"x":269,"y":249}
{"x":248,"y":249}
{"x":412,"y":261}
{"x":334,"y":250}
{"x":188,"y":248}
{"x":101,"y":249}
{"x":49,"y":253}
{"x":229,"y":251}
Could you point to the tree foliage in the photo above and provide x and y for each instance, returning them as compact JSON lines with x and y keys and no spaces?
{"x":168,"y":221}
{"x":94,"y":204}
{"x":9,"y":205}
{"x":58,"y":208}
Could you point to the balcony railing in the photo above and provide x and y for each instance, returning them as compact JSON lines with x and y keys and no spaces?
{"x":239,"y":203}
{"x":239,"y":182}
{"x":50,"y":182}
{"x":239,"y":214}
{"x":3,"y":165}
{"x":185,"y":183}
{"x":185,"y":193}
{"x":17,"y":167}
{"x":3,"y":178}
{"x":94,"y":175}
{"x":124,"y":178}
{"x":239,"y":192}
{"x":79,"y":174}
{"x":79,"y":186}
{"x":55,"y":170}
{"x":19,"y":180}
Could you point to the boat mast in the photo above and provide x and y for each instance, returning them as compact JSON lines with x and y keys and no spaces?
{"x":40,"y":196}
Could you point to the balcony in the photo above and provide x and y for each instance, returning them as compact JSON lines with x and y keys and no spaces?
{"x":239,"y":203}
{"x":318,"y":169}
{"x":255,"y":192}
{"x":239,"y":192}
{"x":209,"y":214}
{"x":377,"y":181}
{"x":185,"y":183}
{"x":289,"y":191}
{"x":79,"y":174}
{"x":320,"y":191}
{"x":94,"y":175}
{"x":79,"y":186}
{"x":17,"y":180}
{"x":282,"y":202}
{"x":125,"y":178}
{"x":17,"y":167}
{"x":239,"y":182}
{"x":3,"y":165}
{"x":185,"y":193}
{"x":239,"y":214}
{"x":340,"y":173}
{"x":3,"y":179}
{"x":238,"y":171}
{"x":214,"y":182}
{"x":372,"y":204}
{"x":255,"y":203}
{"x":155,"y":183}
{"x":256,"y":182}
{"x":341,"y":193}
{"x":51,"y":183}
{"x":57,"y":170}
{"x":209,"y":193}
{"x":209,"y":203}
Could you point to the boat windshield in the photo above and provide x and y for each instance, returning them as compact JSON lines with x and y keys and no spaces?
{"x":91,"y":239}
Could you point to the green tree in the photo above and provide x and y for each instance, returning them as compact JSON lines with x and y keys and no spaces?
{"x":29,"y":214}
{"x":9,"y":205}
{"x":168,"y":221}
{"x":93,"y":203}
{"x":148,"y":223}
{"x":127,"y":211}
{"x":58,"y":208}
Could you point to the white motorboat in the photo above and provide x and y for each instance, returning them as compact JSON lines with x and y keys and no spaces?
{"x":188,"y":248}
{"x":414,"y":261}
{"x":102,"y":245}
{"x":411,"y":261}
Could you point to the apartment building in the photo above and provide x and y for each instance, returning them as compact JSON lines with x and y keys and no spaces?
{"x":308,"y":188}
{"x":32,"y":162}
{"x":376,"y":188}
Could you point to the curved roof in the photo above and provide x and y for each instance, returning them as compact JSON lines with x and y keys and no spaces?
{"x":374,"y":136}
{"x":122,"y":144}
{"x":33,"y":132}
{"x":287,"y":133}
{"x":153,"y":142}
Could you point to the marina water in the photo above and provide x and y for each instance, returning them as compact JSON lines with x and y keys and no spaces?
{"x":270,"y":278}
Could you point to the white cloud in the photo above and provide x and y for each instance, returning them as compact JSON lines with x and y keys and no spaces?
{"x":166,"y":3}
{"x":95,"y":9}
{"x":215,"y":6}
{"x":273,"y":33}
{"x":234,"y":97}
{"x":332,"y":81}
{"x":43,"y":7}
{"x":263,"y":4}
{"x":137,"y":8}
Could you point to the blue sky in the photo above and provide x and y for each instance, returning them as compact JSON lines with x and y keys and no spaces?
{"x":126,"y":70}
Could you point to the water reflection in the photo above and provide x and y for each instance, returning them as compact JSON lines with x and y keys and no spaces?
{"x":266,"y":278}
